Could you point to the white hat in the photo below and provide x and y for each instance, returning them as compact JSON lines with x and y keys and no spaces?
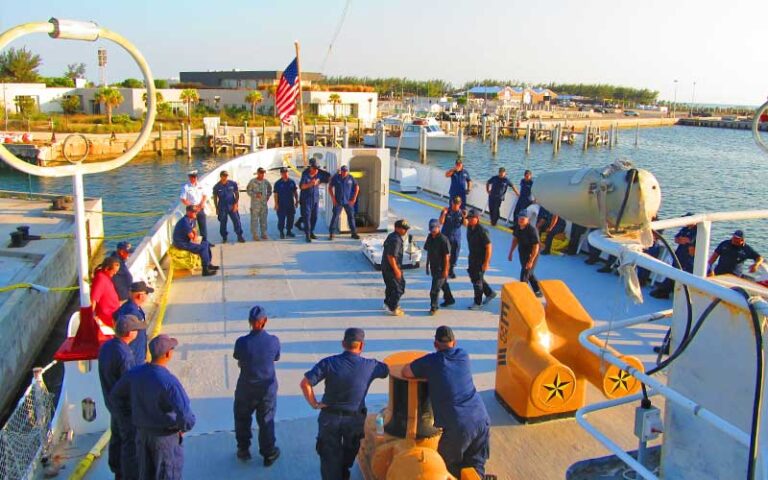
{"x":192,"y":172}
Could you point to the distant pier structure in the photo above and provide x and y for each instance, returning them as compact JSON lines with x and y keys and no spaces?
{"x":721,"y":123}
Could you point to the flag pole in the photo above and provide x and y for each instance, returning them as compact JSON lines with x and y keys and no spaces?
{"x":301,"y":107}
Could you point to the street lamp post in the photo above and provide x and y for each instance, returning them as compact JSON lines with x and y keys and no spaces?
{"x":674,"y":103}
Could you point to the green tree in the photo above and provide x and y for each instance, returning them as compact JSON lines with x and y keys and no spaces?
{"x":75,"y":70}
{"x":58,"y":82}
{"x":70,"y":104}
{"x":158,"y":98}
{"x":189,"y":96}
{"x":253,"y":97}
{"x":25,"y":104}
{"x":19,"y":65}
{"x":161,"y":83}
{"x":334,"y":99}
{"x":111,"y":98}
{"x":132,"y":83}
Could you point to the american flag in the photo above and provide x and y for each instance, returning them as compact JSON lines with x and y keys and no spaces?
{"x":287,"y":91}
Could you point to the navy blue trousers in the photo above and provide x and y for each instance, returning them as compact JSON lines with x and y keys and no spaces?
{"x":226,"y":212}
{"x":160,"y":457}
{"x":479,"y":285}
{"x":285,"y":219}
{"x":463,"y":447}
{"x":263,"y":403}
{"x":309,"y":214}
{"x":558,"y":228}
{"x":202,"y":225}
{"x":203,"y":249}
{"x":338,"y":440}
{"x":455,"y":241}
{"x":336,"y":217}
{"x":393,"y":289}
{"x":439,"y":283}
{"x":494,"y":206}
{"x":122,"y":450}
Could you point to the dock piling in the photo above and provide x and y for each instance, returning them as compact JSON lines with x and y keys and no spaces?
{"x":226,"y":129}
{"x":160,"y":140}
{"x":586,"y":136}
{"x":483,"y":128}
{"x":254,"y":141}
{"x":637,"y":134}
{"x":345,"y":137}
{"x":189,"y":140}
{"x":461,"y":141}
{"x":282,"y":137}
{"x":423,"y":145}
{"x":528,"y":138}
{"x":616,"y":135}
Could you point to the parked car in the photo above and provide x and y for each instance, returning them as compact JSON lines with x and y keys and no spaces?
{"x":631,"y":113}
{"x":455,"y":116}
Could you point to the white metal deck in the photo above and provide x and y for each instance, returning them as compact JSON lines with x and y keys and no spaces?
{"x":312,"y":293}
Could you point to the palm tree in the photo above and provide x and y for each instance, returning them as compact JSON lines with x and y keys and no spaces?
{"x":158,"y":98}
{"x":111,"y":98}
{"x":253,"y":97}
{"x":189,"y":96}
{"x":335,"y":100}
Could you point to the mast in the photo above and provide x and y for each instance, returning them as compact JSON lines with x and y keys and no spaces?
{"x":301,"y":107}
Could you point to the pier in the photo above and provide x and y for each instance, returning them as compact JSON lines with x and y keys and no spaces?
{"x":720,"y":123}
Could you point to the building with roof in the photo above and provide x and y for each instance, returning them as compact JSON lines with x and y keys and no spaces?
{"x":514,"y":96}
{"x":249,"y":79}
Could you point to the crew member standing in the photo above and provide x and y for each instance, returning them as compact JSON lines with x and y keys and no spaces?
{"x":343,"y":189}
{"x":525,"y":196}
{"x":342,"y":411}
{"x":391,"y":269}
{"x":324,"y":177}
{"x":461,"y":184}
{"x":496,"y":187}
{"x":479,"y":260}
{"x":259,"y":189}
{"x":139,"y":294}
{"x":185,"y":238}
{"x":438,"y":264}
{"x":226,"y":196}
{"x":286,"y":201}
{"x":685,"y":253}
{"x":192,"y":193}
{"x":457,"y":407}
{"x":256,"y":391}
{"x":115,"y":359}
{"x":104,"y":299}
{"x":123,"y":278}
{"x":309,"y":199}
{"x":159,"y":409}
{"x":452,"y":219}
{"x":525,"y":236}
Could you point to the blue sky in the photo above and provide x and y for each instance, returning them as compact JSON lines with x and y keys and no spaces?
{"x":643,"y":43}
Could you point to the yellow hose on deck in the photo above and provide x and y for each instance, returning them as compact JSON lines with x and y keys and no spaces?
{"x":85,"y":464}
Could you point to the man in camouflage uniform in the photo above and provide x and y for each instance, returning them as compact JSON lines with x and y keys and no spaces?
{"x":259,"y":189}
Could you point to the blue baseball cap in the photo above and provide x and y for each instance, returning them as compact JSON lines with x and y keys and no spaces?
{"x":125,"y":246}
{"x":128,"y":323}
{"x":344,"y":168}
{"x":161,"y":344}
{"x":434,"y":223}
{"x":354,"y":335}
{"x":739,"y":233}
{"x":257,"y":313}
{"x":523,"y":214}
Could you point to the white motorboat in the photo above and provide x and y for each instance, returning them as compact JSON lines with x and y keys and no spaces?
{"x":406,"y":135}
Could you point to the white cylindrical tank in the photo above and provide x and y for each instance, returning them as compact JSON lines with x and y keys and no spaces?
{"x":594,"y":197}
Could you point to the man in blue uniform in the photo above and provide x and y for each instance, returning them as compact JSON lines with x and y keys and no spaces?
{"x":256,"y":391}
{"x":461,"y":184}
{"x":324,"y":177}
{"x":185,"y":238}
{"x":344,"y":190}
{"x":457,"y":407}
{"x":685,"y":252}
{"x":551,"y":224}
{"x":438,"y":264}
{"x":123,"y":278}
{"x":524,"y":197}
{"x":347,"y":377}
{"x":732,"y":253}
{"x":496,"y":187}
{"x":391,"y":269}
{"x":226,"y":196}
{"x":158,"y":406}
{"x":452,"y":219}
{"x":526,"y":237}
{"x":139,"y":294}
{"x":309,"y":198}
{"x":479,"y":259}
{"x":286,"y":200}
{"x":192,"y":193}
{"x":115,"y":359}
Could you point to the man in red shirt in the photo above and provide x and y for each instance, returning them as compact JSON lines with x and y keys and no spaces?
{"x":104,"y":299}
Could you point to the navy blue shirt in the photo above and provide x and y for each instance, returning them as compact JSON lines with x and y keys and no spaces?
{"x":454,"y":219}
{"x":115,"y":359}
{"x":731,"y":256}
{"x":343,"y":188}
{"x":477,"y":239}
{"x":226,"y":193}
{"x":393,"y":245}
{"x":527,"y":238}
{"x":181,"y":231}
{"x":347,"y":378}
{"x":437,"y":248}
{"x":256,"y":354}
{"x":122,"y":279}
{"x":499,"y":186}
{"x":682,"y":251}
{"x":284,"y":190}
{"x":311,"y":194}
{"x":138,"y":346}
{"x":525,"y":191}
{"x":153,"y":398}
{"x":459,"y":181}
{"x":451,"y":389}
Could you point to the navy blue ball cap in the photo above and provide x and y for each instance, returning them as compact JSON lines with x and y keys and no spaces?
{"x":523,"y":214}
{"x":125,"y":246}
{"x":434,"y":223}
{"x":283,"y":170}
{"x":473,"y":213}
{"x":444,"y":334}
{"x":141,"y":287}
{"x":224,"y":173}
{"x":739,"y":233}
{"x":128,"y":323}
{"x":312,"y":162}
{"x":354,"y":335}
{"x":257,"y":313}
{"x":191,"y":208}
{"x":162,"y":344}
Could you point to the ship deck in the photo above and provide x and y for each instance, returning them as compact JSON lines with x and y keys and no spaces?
{"x":313,"y":292}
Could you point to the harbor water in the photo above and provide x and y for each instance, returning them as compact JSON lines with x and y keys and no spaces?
{"x":699,"y":170}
